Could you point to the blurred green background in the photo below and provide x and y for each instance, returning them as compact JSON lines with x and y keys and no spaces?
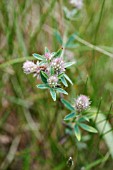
{"x":32,"y":133}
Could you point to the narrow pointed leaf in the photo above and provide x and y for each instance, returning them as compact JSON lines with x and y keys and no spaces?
{"x":70,"y":116}
{"x":60,"y":90}
{"x":63,"y":80}
{"x":77,"y":132}
{"x":84,"y":118}
{"x":39,"y":57}
{"x":68,"y":79}
{"x":58,"y":37}
{"x":66,"y":65}
{"x":53,"y":94}
{"x":42,"y":86}
{"x":88,"y":128}
{"x":60,"y":75}
{"x":58,"y":53}
{"x":44,"y":74}
{"x":67,"y":104}
{"x":44,"y":80}
{"x":70,"y":40}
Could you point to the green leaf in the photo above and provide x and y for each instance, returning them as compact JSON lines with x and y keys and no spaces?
{"x":41,"y":63}
{"x":63,"y":80}
{"x":58,"y":37}
{"x":58,"y":53}
{"x":77,"y":132}
{"x":42,"y":86}
{"x":67,"y":104}
{"x":52,"y":70}
{"x":84,"y":118}
{"x":88,"y":128}
{"x":39,"y":57}
{"x":70,"y":116}
{"x":68,"y":79}
{"x":44,"y":74}
{"x":53,"y":94}
{"x":60,"y":90}
{"x":70,"y":40}
{"x":66,"y":65}
{"x":60,"y":75}
{"x":72,"y":45}
{"x":44,"y":80}
{"x":47,"y":50}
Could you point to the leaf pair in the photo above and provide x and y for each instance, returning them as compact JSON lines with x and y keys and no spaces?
{"x":52,"y":90}
{"x":85,"y":127}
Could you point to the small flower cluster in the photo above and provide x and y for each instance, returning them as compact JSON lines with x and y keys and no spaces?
{"x":58,"y":65}
{"x":50,"y":68}
{"x":29,"y":67}
{"x":82,"y":103}
{"x":77,"y":3}
{"x":53,"y":81}
{"x":77,"y":117}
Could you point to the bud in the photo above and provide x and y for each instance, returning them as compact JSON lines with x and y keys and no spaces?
{"x":29,"y":67}
{"x":58,"y":65}
{"x":52,"y":81}
{"x":82,"y":103}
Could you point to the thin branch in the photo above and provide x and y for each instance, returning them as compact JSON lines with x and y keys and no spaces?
{"x":93,"y":46}
{"x":11,"y":154}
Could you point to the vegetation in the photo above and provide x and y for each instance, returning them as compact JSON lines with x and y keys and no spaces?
{"x":34,"y":133}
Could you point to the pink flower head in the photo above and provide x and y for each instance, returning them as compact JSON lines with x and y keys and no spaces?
{"x":48,"y":56}
{"x":77,"y":3}
{"x":29,"y":67}
{"x":53,"y":80}
{"x":82,"y":103}
{"x":58,"y":65}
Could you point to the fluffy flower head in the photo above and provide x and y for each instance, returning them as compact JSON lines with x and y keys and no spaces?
{"x":53,"y":80}
{"x":82,"y":103}
{"x":29,"y":67}
{"x":58,"y":65}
